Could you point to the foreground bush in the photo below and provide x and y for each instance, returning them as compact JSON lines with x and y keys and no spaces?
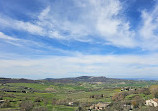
{"x":26,"y":105}
{"x":154,"y":91}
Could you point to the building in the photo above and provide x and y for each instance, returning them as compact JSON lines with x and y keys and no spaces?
{"x":2,"y":101}
{"x":152,"y":102}
{"x":99,"y":106}
{"x":71,"y":103}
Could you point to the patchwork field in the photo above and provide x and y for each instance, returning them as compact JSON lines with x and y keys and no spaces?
{"x":47,"y":95}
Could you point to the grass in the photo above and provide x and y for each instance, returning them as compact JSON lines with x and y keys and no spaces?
{"x":76,"y":92}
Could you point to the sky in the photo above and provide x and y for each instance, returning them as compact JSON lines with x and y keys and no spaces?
{"x":69,"y":38}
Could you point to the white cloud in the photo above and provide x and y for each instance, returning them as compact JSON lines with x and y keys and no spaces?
{"x":16,"y":41}
{"x":44,"y":13}
{"x":64,"y":66}
{"x":87,"y":20}
{"x":79,"y":20}
{"x":31,"y":45}
{"x":149,"y":29}
{"x":6,"y":37}
{"x":6,"y":22}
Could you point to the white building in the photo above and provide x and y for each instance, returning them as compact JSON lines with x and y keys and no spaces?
{"x":99,"y":106}
{"x":152,"y":102}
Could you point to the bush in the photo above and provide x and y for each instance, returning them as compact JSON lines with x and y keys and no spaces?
{"x":62,"y":102}
{"x":137,"y":102}
{"x":38,"y":99}
{"x":40,"y":109}
{"x":145,"y":91}
{"x":154,"y":91}
{"x":45,"y":101}
{"x":26,"y":105}
{"x":1,"y":97}
{"x":54,"y":101}
{"x":81,"y":109}
{"x":6,"y":104}
{"x":119,"y":96}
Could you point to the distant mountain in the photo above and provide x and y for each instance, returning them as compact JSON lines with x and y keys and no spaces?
{"x":48,"y":79}
{"x":91,"y":79}
{"x":143,"y":79}
{"x":10,"y":80}
{"x":63,"y":80}
{"x":85,"y":79}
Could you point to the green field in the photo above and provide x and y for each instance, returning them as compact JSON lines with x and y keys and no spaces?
{"x":50,"y":96}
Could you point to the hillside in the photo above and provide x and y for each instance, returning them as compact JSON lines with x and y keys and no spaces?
{"x":85,"y":79}
{"x":75,"y":94}
{"x":10,"y":80}
{"x":90,"y":79}
{"x":64,"y":80}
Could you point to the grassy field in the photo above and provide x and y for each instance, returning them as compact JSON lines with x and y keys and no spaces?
{"x":65,"y":92}
{"x":57,"y":96}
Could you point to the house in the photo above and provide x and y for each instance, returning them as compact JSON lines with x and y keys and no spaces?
{"x":99,"y":106}
{"x":125,"y":89}
{"x":24,"y":91}
{"x":128,"y":107}
{"x":71,"y":103}
{"x":152,"y":102}
{"x":128,"y":89}
{"x":2,"y":101}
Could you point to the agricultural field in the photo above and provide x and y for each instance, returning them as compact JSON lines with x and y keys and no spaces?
{"x":77,"y":95}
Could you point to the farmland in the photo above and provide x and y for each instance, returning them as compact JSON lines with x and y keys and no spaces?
{"x":66,"y":95}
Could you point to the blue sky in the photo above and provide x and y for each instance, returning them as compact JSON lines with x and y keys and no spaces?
{"x":68,"y":38}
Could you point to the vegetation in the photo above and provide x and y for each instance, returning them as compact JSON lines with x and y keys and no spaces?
{"x":76,"y":94}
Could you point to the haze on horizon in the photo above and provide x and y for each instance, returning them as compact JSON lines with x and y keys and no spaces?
{"x":69,"y":38}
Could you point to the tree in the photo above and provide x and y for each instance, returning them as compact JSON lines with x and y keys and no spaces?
{"x":137,"y":101}
{"x":26,"y":105}
{"x":119,"y":96}
{"x":154,"y":91}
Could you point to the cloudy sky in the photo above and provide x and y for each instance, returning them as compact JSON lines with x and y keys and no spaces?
{"x":69,"y":38}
